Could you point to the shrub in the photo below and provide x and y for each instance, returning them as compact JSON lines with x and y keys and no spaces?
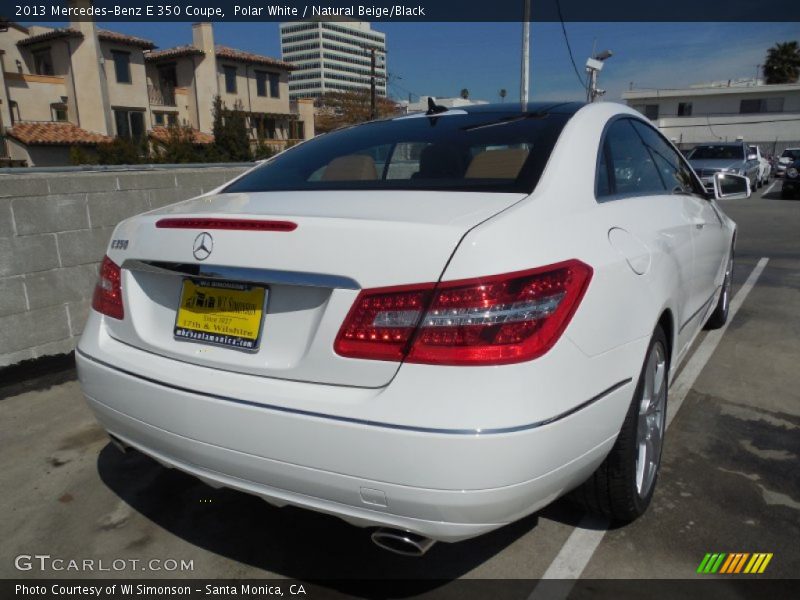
{"x":230,"y":132}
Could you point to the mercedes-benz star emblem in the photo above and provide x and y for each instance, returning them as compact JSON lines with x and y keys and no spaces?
{"x":203,"y":245}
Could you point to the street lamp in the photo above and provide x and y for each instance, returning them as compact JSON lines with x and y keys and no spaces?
{"x":593,"y":67}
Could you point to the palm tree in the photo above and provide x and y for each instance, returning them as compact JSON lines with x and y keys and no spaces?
{"x":503,"y":94}
{"x":465,"y":93}
{"x":783,"y":63}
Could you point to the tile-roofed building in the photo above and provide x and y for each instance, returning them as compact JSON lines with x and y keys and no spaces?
{"x":162,"y":134}
{"x":55,"y":134}
{"x":227,"y":53}
{"x":56,"y":97}
{"x":53,"y":34}
{"x":103,"y":34}
{"x":175,"y":52}
{"x":125,"y":39}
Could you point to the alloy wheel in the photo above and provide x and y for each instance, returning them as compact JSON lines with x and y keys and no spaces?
{"x":651,"y":425}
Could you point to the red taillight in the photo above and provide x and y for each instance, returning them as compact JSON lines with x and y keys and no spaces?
{"x":229,"y":224}
{"x":381,"y":322}
{"x":107,"y":297}
{"x":492,"y":320}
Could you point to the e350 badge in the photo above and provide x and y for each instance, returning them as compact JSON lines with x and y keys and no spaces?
{"x":119,"y":244}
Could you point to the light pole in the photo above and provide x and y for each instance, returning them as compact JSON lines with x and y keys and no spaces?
{"x":593,"y":67}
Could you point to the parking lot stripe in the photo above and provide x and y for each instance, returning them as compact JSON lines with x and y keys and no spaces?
{"x":769,"y":189}
{"x":681,"y":386}
{"x":577,"y":551}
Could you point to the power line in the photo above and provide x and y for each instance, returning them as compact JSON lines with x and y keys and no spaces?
{"x":569,"y":48}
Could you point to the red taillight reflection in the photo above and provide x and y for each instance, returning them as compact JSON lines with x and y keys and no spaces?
{"x":485,"y":321}
{"x":107,"y":298}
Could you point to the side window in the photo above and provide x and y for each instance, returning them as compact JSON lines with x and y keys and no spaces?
{"x":632,"y":171}
{"x":676,"y":175}
{"x":603,"y":186}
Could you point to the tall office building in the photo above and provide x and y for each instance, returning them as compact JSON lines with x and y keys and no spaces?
{"x":332,"y":56}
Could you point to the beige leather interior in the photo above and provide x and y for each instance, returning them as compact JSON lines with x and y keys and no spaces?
{"x":353,"y":167}
{"x":497,"y":164}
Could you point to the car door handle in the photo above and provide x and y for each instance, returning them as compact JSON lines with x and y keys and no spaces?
{"x":699,"y":225}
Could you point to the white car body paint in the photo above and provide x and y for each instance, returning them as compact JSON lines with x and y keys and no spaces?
{"x":456,"y":451}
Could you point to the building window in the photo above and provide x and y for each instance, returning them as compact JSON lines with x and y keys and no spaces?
{"x":651,"y":111}
{"x":14,"y":108}
{"x":761,"y":105}
{"x":684,"y":109}
{"x":130,"y":123}
{"x":261,"y":83}
{"x":230,"y":79}
{"x":162,"y":119}
{"x":43,"y":62}
{"x":58,"y":112}
{"x":274,"y":85}
{"x":122,"y":66}
{"x":168,"y":75}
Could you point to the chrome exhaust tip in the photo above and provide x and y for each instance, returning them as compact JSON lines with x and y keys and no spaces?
{"x":402,"y":542}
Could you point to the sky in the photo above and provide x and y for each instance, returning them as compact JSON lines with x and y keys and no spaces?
{"x":440,"y":59}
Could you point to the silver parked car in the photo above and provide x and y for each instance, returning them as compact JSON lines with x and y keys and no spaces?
{"x":726,"y":157}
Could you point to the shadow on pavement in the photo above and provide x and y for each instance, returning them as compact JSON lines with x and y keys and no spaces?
{"x":777,"y":194}
{"x":287,"y":541}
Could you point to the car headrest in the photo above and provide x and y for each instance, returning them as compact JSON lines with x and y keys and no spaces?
{"x":353,"y":167}
{"x":497,"y":164}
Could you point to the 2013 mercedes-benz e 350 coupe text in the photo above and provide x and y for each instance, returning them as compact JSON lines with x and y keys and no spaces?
{"x":433,"y":325}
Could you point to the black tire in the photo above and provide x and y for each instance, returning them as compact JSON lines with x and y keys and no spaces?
{"x":719,"y":317}
{"x":612,"y":490}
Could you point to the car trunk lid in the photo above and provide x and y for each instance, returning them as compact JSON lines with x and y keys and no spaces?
{"x":344,"y":241}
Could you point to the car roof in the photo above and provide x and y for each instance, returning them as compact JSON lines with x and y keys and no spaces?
{"x":515,"y":108}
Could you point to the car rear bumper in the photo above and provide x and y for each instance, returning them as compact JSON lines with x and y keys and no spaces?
{"x":445,"y":514}
{"x":444,"y":484}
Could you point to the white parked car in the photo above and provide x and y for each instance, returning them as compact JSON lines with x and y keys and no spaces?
{"x":764,"y":166}
{"x":433,"y":325}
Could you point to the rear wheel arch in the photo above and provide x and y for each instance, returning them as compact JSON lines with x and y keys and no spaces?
{"x":667,"y":323}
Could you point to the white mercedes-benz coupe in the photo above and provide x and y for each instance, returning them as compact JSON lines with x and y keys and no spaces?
{"x":433,"y":325}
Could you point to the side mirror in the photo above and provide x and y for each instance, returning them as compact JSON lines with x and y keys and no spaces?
{"x":728,"y":186}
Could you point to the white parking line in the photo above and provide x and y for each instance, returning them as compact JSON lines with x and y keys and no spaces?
{"x":769,"y":189}
{"x":576,"y":553}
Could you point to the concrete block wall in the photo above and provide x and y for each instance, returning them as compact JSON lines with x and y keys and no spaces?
{"x":54,"y":229}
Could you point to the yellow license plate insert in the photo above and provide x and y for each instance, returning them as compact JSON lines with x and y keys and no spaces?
{"x":224,"y":313}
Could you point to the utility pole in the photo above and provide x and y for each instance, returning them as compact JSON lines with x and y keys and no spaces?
{"x":524,"y":85}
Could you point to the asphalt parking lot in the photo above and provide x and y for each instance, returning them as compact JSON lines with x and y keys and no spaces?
{"x":729,"y":479}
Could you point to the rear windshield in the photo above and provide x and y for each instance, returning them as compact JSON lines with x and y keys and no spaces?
{"x":474,"y":152}
{"x":716,"y":152}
